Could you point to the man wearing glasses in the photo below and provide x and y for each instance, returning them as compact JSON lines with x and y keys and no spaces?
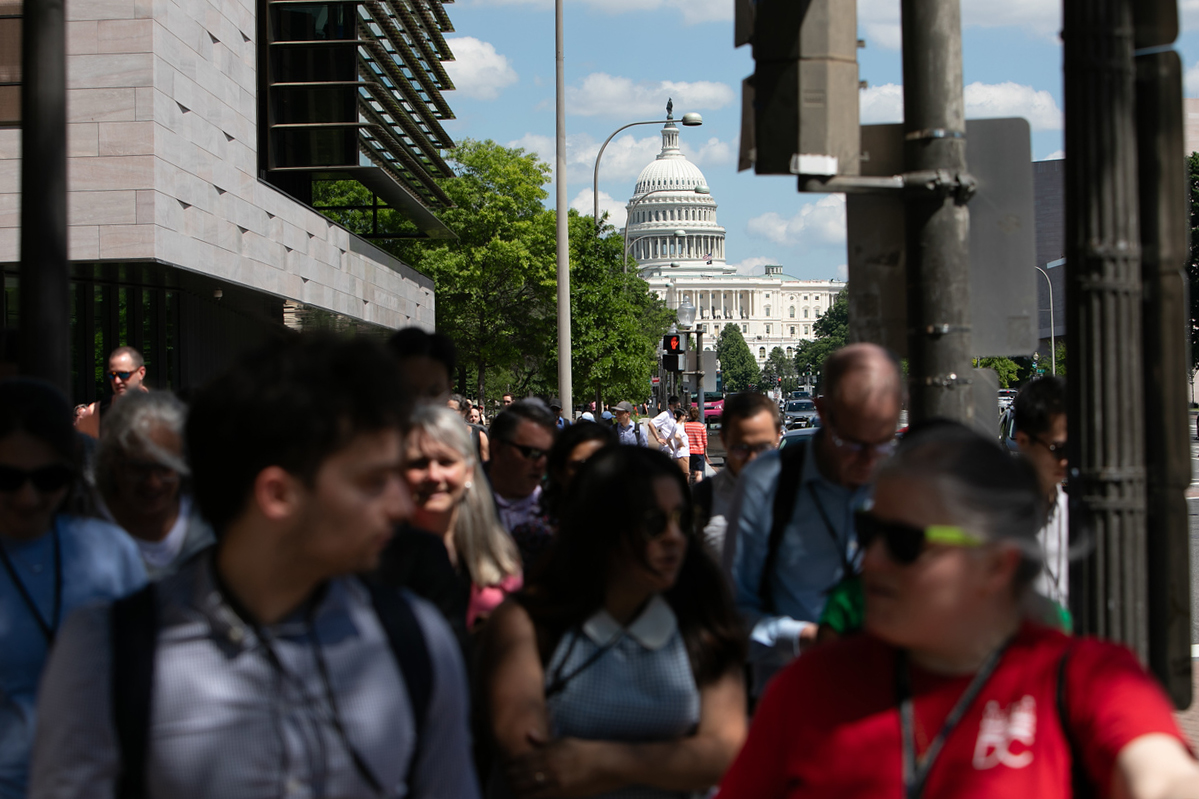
{"x":782,"y":572}
{"x":1040,"y":413}
{"x":521,"y":437}
{"x":126,"y":372}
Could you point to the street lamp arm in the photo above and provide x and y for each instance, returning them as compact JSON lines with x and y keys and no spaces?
{"x":595,"y":176}
{"x":1052,"y":331}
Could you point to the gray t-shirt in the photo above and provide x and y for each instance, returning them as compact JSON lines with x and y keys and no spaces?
{"x":227,"y":724}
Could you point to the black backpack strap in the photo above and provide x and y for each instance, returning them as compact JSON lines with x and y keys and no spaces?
{"x":791,"y":460}
{"x":407,"y":641}
{"x":1080,"y":783}
{"x":134,"y":636}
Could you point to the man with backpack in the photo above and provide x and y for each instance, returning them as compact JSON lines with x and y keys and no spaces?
{"x":263,"y":666}
{"x":791,"y":526}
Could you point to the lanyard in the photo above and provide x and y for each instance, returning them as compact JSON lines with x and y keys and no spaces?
{"x":842,"y":551}
{"x":48,"y":627}
{"x":915,"y":774}
{"x":558,"y":682}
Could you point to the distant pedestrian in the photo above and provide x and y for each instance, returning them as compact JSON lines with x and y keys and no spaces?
{"x":143,"y":480}
{"x":662,"y":428}
{"x":628,"y":431}
{"x":126,"y":373}
{"x":522,"y":436}
{"x":697,"y":438}
{"x":52,"y":562}
{"x":560,"y":421}
{"x":264,"y":667}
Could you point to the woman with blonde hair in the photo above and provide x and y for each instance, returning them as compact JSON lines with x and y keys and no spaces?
{"x":453,"y":501}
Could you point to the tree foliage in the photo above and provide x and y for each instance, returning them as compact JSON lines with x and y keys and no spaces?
{"x":779,"y":371}
{"x":831,"y":331}
{"x":1007,"y":370}
{"x":738,"y":368}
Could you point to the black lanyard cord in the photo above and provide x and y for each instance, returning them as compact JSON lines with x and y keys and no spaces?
{"x":49,"y":628}
{"x":842,"y":549}
{"x":559,"y":682}
{"x":915,"y":774}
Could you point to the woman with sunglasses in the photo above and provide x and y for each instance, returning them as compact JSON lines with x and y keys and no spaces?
{"x":951,"y":690}
{"x":50,"y":562}
{"x":617,"y":670}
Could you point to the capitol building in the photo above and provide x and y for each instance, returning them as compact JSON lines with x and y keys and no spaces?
{"x":673,"y":235}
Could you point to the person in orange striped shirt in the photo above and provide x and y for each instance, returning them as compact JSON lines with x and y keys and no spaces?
{"x":697,"y":438}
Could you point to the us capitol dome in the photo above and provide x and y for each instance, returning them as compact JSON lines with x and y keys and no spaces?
{"x":679,"y":248}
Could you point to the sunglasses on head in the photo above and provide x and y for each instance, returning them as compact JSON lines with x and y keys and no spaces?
{"x":529,"y":453}
{"x":121,"y":375}
{"x":45,"y":479}
{"x":655,"y":522}
{"x":904,"y":542}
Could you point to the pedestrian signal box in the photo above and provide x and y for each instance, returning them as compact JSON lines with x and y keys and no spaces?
{"x":673,"y":363}
{"x":672,"y":344}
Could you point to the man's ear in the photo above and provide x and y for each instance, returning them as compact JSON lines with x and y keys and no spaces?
{"x":1023,"y":441}
{"x":278,"y":493}
{"x":1002,"y":565}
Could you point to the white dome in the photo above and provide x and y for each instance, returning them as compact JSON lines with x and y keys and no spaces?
{"x":670,"y":173}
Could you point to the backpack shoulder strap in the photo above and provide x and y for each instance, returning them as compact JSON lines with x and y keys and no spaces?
{"x":408,"y":645}
{"x":1080,"y":782}
{"x":134,"y":637}
{"x":791,"y":468}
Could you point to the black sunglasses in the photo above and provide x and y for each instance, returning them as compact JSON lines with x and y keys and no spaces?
{"x":121,"y":375}
{"x":530,"y":453}
{"x":45,"y":479}
{"x":655,"y":522}
{"x":904,"y":542}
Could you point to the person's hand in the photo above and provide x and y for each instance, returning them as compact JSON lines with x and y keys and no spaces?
{"x":808,"y":637}
{"x":562,"y":768}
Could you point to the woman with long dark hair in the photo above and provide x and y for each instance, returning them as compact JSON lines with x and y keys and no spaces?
{"x":617,"y":670}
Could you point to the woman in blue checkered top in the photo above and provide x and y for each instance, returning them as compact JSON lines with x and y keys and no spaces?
{"x":617,"y":670}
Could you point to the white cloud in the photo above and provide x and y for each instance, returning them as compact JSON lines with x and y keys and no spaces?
{"x":879,"y":19}
{"x":983,"y":100}
{"x":601,"y":94}
{"x":1188,"y":13}
{"x":753,"y":266}
{"x":1056,"y":155}
{"x":585,"y":205}
{"x":693,"y":11}
{"x":477,"y":69}
{"x":713,"y":151}
{"x":843,"y":272}
{"x":820,"y":222}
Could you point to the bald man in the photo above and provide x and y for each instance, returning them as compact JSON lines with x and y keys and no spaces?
{"x":781,"y":581}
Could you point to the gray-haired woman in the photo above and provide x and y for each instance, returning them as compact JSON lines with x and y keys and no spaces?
{"x":952,"y":690}
{"x":141,"y":475}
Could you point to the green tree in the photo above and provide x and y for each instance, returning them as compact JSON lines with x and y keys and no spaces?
{"x":779,"y":371}
{"x":1007,"y":369}
{"x":831,"y":331}
{"x":737,"y":365}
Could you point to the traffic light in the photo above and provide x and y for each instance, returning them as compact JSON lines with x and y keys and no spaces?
{"x":799,"y":110}
{"x":672,"y":344}
{"x":673,"y":363}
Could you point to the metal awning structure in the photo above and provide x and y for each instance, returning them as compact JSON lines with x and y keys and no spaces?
{"x":354,"y":90}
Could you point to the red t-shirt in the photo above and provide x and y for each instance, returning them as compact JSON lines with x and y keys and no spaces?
{"x":828,"y":725}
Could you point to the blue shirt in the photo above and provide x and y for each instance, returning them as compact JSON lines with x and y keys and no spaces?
{"x":811,"y":556}
{"x":632,"y":435}
{"x":99,"y":561}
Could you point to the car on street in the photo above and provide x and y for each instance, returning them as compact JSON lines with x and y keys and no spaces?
{"x":1006,"y":397}
{"x":1007,"y":430}
{"x":797,"y":435}
{"x":799,"y":413}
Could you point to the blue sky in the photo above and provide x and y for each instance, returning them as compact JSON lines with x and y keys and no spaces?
{"x":624,"y":58}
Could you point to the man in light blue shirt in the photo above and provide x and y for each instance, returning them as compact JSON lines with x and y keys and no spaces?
{"x":863,"y":394}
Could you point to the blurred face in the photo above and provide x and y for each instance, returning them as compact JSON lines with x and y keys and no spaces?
{"x":143,"y":485}
{"x":931,"y":601}
{"x":1047,"y":453}
{"x":518,"y":465}
{"x":436,"y":474}
{"x":665,"y":541}
{"x":26,"y":510}
{"x":746,"y":439}
{"x":474,"y":417}
{"x":578,"y":456}
{"x":857,"y":436}
{"x":506,"y":400}
{"x":427,"y":378}
{"x":623,"y":417}
{"x":123,"y":375}
{"x":351,"y":510}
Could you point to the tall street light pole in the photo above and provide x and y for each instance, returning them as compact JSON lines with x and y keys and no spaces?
{"x":1052,"y":341}
{"x":564,"y":371}
{"x":689,"y":120}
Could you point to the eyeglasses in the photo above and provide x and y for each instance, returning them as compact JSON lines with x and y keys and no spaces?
{"x":1057,"y":451}
{"x":529,"y":453}
{"x":123,"y":376}
{"x":745,"y":450}
{"x":655,"y":523}
{"x":905,"y":542}
{"x":142,"y":470}
{"x":45,"y":479}
{"x":857,"y":448}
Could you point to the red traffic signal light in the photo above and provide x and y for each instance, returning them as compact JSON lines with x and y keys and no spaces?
{"x":672,"y":343}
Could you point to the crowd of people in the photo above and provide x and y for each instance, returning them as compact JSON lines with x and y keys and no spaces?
{"x":326,"y":575}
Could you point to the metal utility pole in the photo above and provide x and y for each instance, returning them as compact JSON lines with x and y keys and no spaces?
{"x":564,"y":371}
{"x":1164,"y":223}
{"x":45,"y":290}
{"x":938,"y":222}
{"x":1103,"y":263}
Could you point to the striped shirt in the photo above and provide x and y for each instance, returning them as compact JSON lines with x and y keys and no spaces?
{"x":697,"y":437}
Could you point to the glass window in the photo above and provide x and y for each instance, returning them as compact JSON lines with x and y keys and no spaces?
{"x":761,"y":352}
{"x":768,"y":330}
{"x":791,"y":312}
{"x":792,"y":333}
{"x":805,"y":313}
{"x":768,"y":310}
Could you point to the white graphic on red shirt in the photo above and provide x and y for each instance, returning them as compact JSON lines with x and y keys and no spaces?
{"x":1000,"y":730}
